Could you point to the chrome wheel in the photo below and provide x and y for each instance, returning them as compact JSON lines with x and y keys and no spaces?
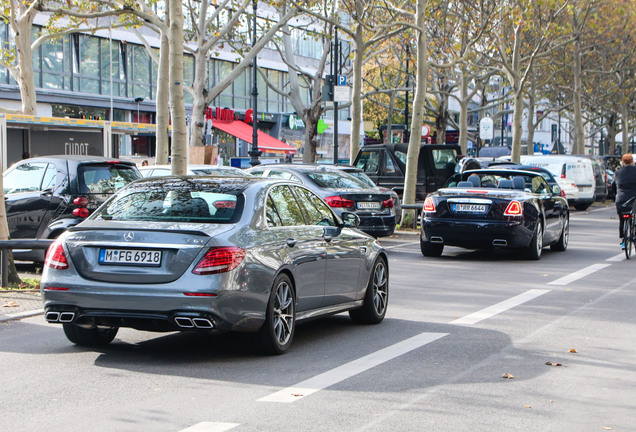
{"x":376,"y":297}
{"x":283,"y":313}
{"x":277,"y":332}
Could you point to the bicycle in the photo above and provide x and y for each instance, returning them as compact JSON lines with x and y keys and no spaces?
{"x":628,"y":214}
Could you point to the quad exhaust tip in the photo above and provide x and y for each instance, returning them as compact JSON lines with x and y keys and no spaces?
{"x":189,"y":323}
{"x":62,"y":317}
{"x":436,"y":239}
{"x":499,"y":242}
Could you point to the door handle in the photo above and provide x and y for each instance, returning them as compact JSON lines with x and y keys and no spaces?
{"x":291,"y":242}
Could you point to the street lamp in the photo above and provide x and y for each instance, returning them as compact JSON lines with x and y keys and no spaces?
{"x":139,"y":99}
{"x":254,"y":152}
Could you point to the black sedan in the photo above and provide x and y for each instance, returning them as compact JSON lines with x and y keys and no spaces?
{"x":496,"y":208}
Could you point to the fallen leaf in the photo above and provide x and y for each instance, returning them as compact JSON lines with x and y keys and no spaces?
{"x":553,"y":364}
{"x":10,"y":304}
{"x":607,"y":428}
{"x":573,"y":350}
{"x":527,"y":406}
{"x":297,"y":394}
{"x":507,"y":376}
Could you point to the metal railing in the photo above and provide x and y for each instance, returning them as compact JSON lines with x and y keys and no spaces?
{"x":417,"y":207}
{"x":6,"y":245}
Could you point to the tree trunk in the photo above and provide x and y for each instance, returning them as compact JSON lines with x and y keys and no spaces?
{"x":625,"y":125}
{"x":26,"y":80}
{"x":179,"y":132}
{"x":463,"y":111}
{"x":356,"y":99}
{"x":198,"y":104}
{"x":579,"y":137}
{"x":531,"y":107}
{"x":413,"y":153}
{"x":163,"y":101}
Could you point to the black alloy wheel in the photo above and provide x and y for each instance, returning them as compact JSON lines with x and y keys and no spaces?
{"x":376,"y":297}
{"x":280,"y":320}
{"x":536,"y":244}
{"x":562,"y":243}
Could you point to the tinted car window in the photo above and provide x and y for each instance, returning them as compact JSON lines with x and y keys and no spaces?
{"x":285,"y":204}
{"x":49,"y":177}
{"x":335,"y":180}
{"x":443,"y":157}
{"x":25,"y":178}
{"x":369,"y":161}
{"x":104,"y":178}
{"x":317,"y":210}
{"x":171,"y":206}
{"x":273,"y":219}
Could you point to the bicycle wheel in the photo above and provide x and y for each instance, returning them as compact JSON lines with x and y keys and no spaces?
{"x":629,"y":237}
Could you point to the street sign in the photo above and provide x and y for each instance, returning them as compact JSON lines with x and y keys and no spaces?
{"x":486,"y":128}
{"x":342,"y":80}
{"x":341,"y":94}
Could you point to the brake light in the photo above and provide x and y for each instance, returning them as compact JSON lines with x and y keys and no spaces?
{"x":81,"y":201}
{"x":514,"y":209}
{"x":562,"y":193}
{"x":338,"y":201}
{"x":219,"y":260}
{"x":81,"y":212}
{"x":224,"y":204}
{"x":388,"y":203}
{"x":429,"y":205}
{"x":55,"y":256}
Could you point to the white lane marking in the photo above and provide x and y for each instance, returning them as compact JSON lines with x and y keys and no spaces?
{"x":210,"y":427}
{"x":616,"y":258}
{"x":498,"y":308}
{"x":347,"y":370}
{"x":579,"y":274}
{"x":401,"y":245}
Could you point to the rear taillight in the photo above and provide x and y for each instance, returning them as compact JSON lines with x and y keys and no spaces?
{"x":219,"y":260}
{"x":81,"y":211}
{"x":514,"y":209}
{"x":224,"y":204}
{"x":338,"y":201}
{"x":388,"y":203}
{"x":562,"y":193}
{"x":429,"y":205}
{"x":55,"y":256}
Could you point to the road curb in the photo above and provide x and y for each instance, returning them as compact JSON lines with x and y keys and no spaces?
{"x":19,"y":316}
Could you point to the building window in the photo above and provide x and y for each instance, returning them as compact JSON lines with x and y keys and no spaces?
{"x":56,"y":72}
{"x":139,"y":84}
{"x":114,"y":72}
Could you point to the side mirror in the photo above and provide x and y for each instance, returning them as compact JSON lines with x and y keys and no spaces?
{"x":351,"y":220}
{"x":556,"y":190}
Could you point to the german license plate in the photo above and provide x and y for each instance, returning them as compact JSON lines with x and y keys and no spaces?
{"x":368,"y":205}
{"x":130,"y":256}
{"x":470,"y":208}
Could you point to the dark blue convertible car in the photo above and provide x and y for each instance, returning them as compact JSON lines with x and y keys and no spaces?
{"x":492,"y":208}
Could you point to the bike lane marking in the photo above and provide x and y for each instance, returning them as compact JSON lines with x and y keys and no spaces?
{"x":210,"y":427}
{"x":565,"y":280}
{"x":500,"y":307}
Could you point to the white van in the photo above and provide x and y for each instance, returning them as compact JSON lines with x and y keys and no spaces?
{"x":576,"y":169}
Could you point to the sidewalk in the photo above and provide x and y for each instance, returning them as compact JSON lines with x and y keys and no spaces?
{"x":19,"y":304}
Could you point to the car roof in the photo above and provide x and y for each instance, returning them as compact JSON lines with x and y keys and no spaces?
{"x":295,"y":167}
{"x":79,"y":158}
{"x":239,"y":182}
{"x":502,"y":171}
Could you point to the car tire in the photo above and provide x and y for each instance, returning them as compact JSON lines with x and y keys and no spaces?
{"x":536,"y":244}
{"x":581,"y":207}
{"x":277,"y":332}
{"x":431,"y":249}
{"x":376,"y":297}
{"x":97,"y":336}
{"x":562,"y":244}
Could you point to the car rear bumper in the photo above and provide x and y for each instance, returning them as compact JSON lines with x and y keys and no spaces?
{"x":477,"y":234}
{"x":378,"y":226}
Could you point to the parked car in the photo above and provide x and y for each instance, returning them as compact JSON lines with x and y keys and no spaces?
{"x":577,"y":169}
{"x":183,"y":253}
{"x":164,"y":170}
{"x":46,"y":195}
{"x":385,"y":164}
{"x":359,"y":174}
{"x":492,"y":208}
{"x":600,"y":177}
{"x":342,"y":192}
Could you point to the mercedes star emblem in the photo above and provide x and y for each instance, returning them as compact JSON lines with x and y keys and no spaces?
{"x":129,"y":236}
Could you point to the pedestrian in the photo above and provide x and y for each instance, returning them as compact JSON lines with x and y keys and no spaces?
{"x":625,"y":183}
{"x":144,"y":163}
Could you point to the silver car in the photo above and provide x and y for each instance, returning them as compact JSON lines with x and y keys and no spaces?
{"x":212,"y":254}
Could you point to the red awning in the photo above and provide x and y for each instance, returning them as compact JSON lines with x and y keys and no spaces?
{"x":241,"y":130}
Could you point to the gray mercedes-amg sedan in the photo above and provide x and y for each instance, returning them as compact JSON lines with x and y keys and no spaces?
{"x":212,"y":254}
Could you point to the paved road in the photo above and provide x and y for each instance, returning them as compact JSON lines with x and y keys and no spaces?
{"x":456,"y":326}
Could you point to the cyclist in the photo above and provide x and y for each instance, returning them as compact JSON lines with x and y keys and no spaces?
{"x":625,"y":182}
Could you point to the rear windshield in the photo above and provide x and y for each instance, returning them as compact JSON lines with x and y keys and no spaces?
{"x":172,"y":206}
{"x":105,"y":178}
{"x":220,"y":171}
{"x":335,"y":180}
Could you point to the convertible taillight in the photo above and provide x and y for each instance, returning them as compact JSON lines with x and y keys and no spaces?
{"x":429,"y":205}
{"x":81,"y":211}
{"x":55,"y":256}
{"x":514,"y":209}
{"x":219,"y":260}
{"x":338,"y":201}
{"x":388,"y":203}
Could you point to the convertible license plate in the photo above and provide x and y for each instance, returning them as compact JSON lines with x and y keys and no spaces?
{"x":130,"y":256}
{"x":470,"y":208}
{"x":368,"y":205}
